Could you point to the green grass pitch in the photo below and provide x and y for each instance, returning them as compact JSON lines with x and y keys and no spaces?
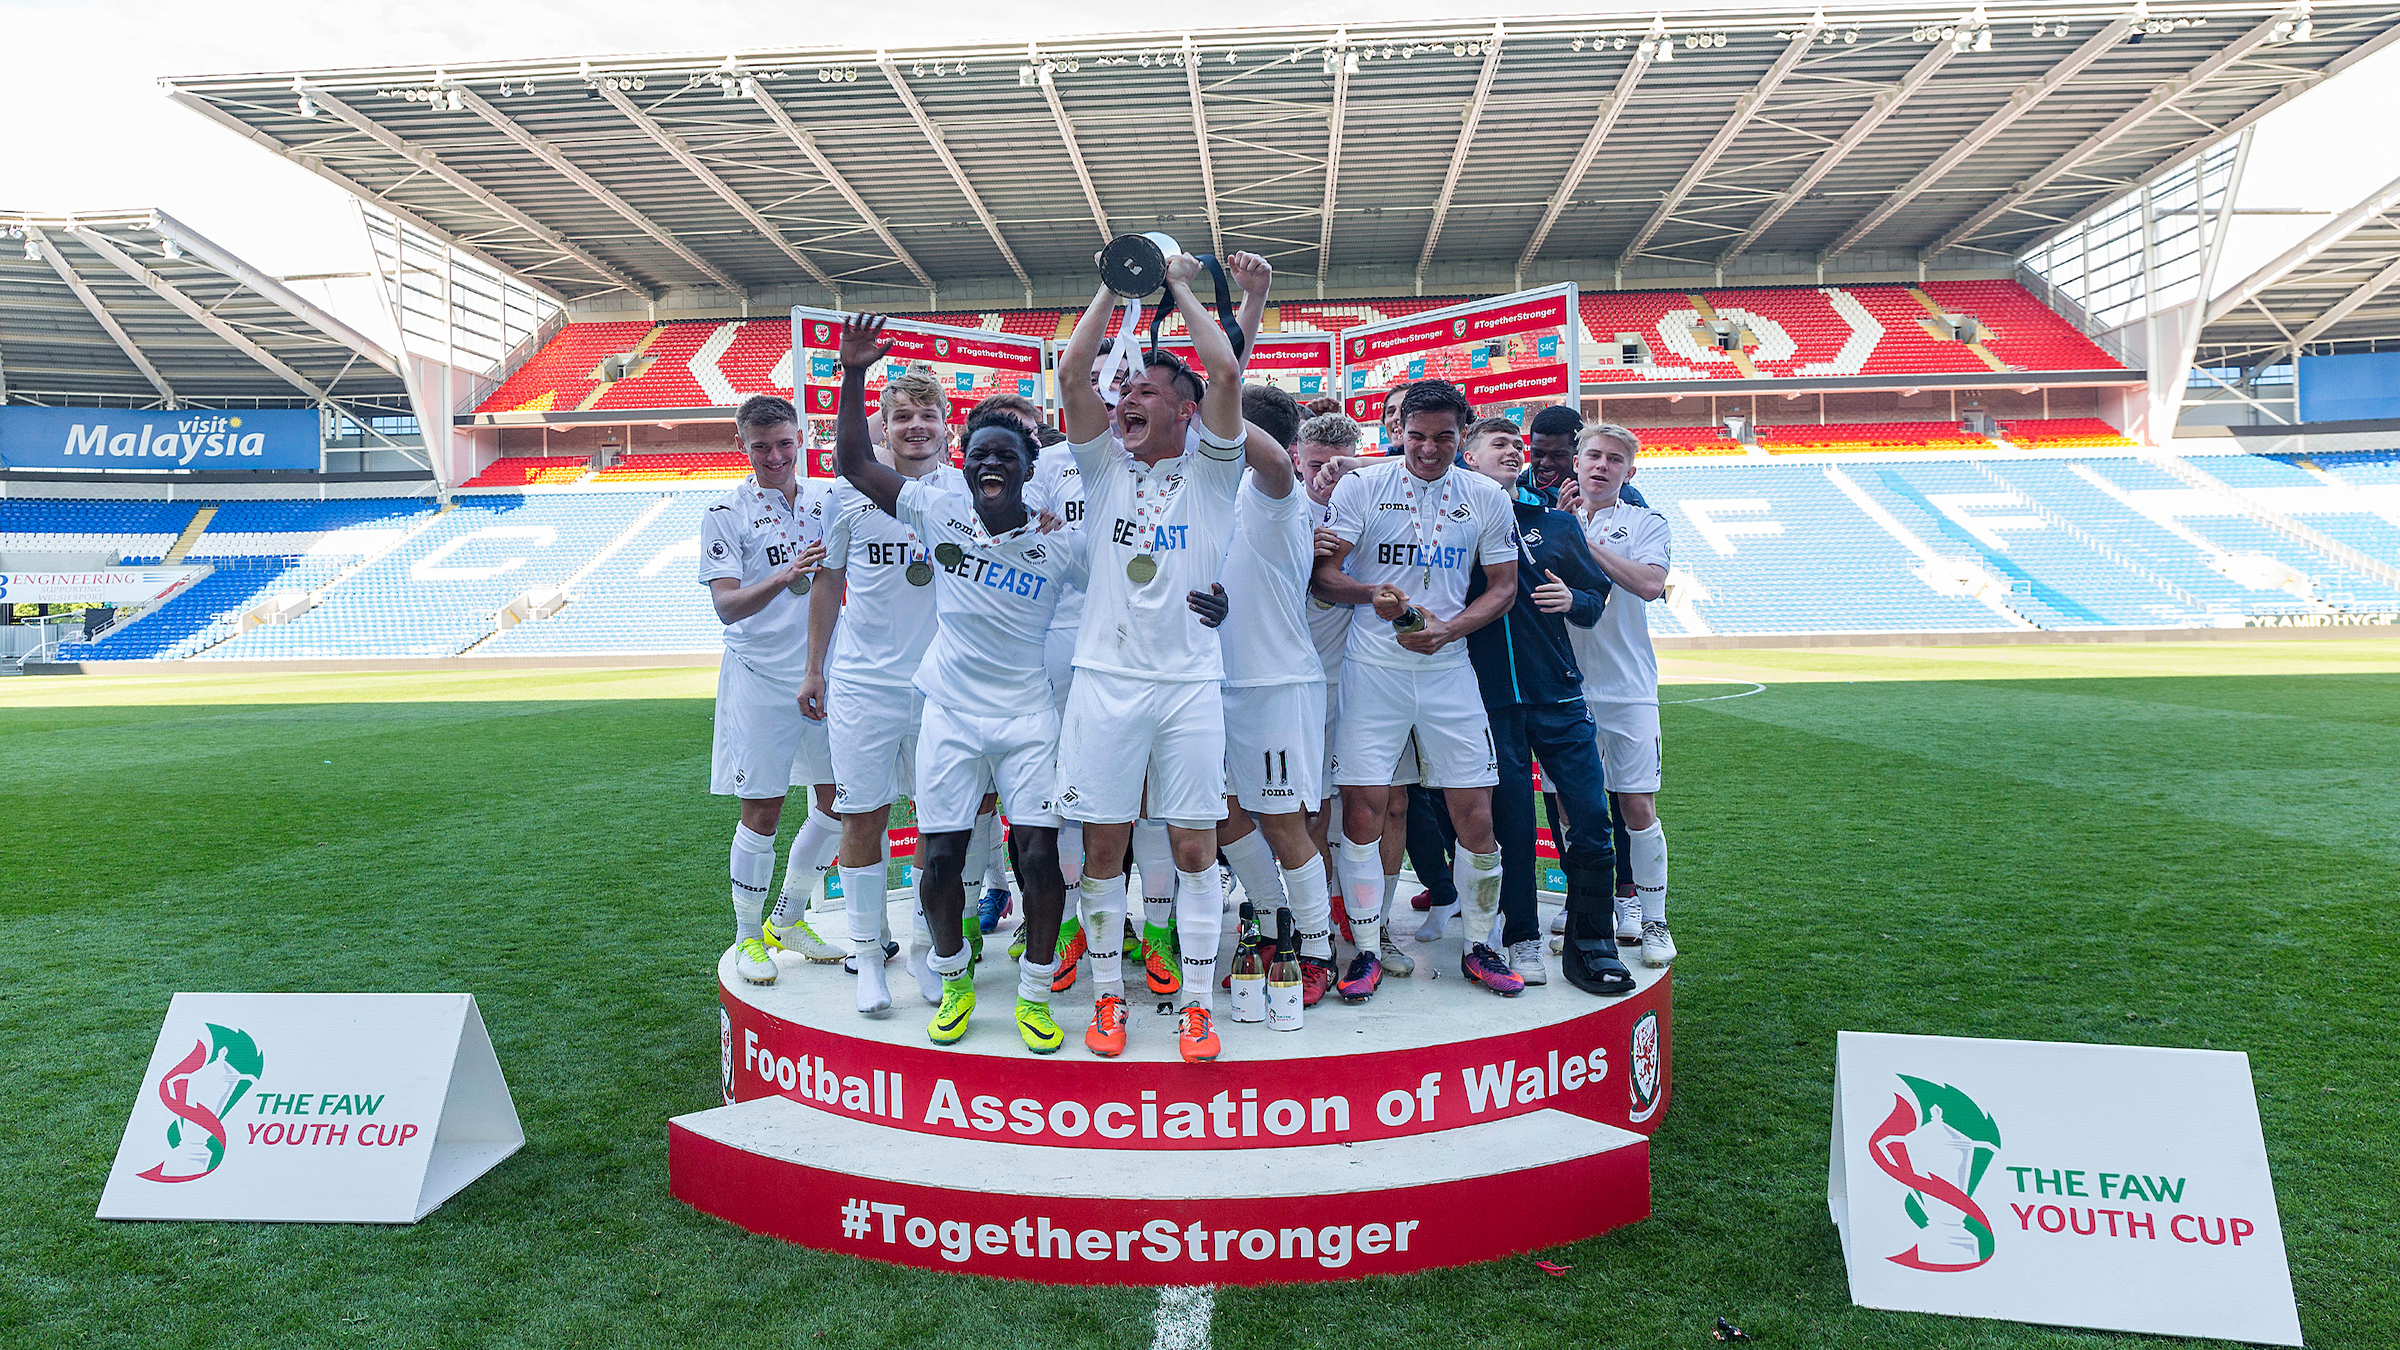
{"x":2166,"y":845}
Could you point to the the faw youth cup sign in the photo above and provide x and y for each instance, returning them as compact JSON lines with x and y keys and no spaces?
{"x":195,"y":438}
{"x":2118,"y":1187}
{"x":346,"y":1108}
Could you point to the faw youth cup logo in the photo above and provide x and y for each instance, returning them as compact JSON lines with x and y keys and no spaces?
{"x":201,"y":1089}
{"x":1939,"y":1148}
{"x":1642,"y":1082}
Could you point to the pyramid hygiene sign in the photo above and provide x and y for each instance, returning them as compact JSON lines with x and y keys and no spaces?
{"x":328,"y":1108}
{"x":2111,"y":1186}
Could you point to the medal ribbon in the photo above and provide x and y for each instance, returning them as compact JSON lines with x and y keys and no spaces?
{"x":1416,"y":521}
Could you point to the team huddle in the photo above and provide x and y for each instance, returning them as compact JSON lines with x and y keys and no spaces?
{"x":1198,"y":626}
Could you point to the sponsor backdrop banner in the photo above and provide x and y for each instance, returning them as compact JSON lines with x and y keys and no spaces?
{"x":100,"y":586}
{"x":1511,"y":354}
{"x":2109,"y":1186}
{"x":121,"y":438}
{"x":340,"y":1108}
{"x":971,"y":364}
{"x":1299,"y":364}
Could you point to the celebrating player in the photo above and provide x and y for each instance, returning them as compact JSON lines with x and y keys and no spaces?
{"x":1409,"y":530}
{"x":865,"y":689}
{"x":1145,"y":703}
{"x":1620,"y":671}
{"x":1275,"y":704}
{"x":1533,"y":691}
{"x":988,"y":719}
{"x":759,"y":550}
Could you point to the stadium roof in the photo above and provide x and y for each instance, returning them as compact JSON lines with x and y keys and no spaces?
{"x":133,"y":307}
{"x":1438,"y":156}
{"x":2340,"y":285}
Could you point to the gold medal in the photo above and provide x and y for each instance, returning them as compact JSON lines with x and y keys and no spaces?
{"x":949,"y":554}
{"x":1141,"y":569}
{"x":800,"y":585}
{"x":920,"y":573}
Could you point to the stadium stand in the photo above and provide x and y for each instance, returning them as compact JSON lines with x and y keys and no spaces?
{"x":2062,"y":433}
{"x":641,"y":598}
{"x":1686,"y":442}
{"x":566,"y":370}
{"x":127,"y":529}
{"x":1860,"y":437}
{"x":673,"y":467}
{"x":516,"y":471}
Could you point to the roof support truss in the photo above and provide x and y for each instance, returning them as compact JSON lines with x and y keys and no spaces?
{"x":1208,"y":168}
{"x":107,"y":321}
{"x":284,"y":297}
{"x":1468,"y":118}
{"x":2023,"y":100}
{"x":361,"y":192}
{"x":1066,"y":138}
{"x":1744,"y":109}
{"x":193,"y":310}
{"x":1336,"y":54}
{"x":1603,"y":122}
{"x":932,"y":132}
{"x":431,"y":163}
{"x":761,"y":95}
{"x":681,"y":152}
{"x":1886,"y":103}
{"x":2161,"y":97}
{"x":2341,"y":309}
{"x":2323,"y":237}
{"x":550,"y":157}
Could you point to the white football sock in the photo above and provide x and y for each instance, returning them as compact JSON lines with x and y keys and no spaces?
{"x":1154,"y":857}
{"x":1362,"y":893}
{"x":1254,"y":867}
{"x":1199,"y":926}
{"x":804,"y":867}
{"x":1070,"y":854}
{"x":1649,"y":855}
{"x":753,"y":864}
{"x":863,"y":895}
{"x":954,"y":965}
{"x":995,"y":867}
{"x":1033,"y":982}
{"x":979,"y":856}
{"x":1103,"y":902}
{"x":1312,"y":908}
{"x":1477,"y":877}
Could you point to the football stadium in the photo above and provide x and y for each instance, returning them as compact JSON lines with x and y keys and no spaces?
{"x":1906,"y":439}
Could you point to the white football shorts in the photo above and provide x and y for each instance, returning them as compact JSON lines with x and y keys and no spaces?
{"x":1122,"y":730}
{"x":1274,"y":746}
{"x":1058,"y":660}
{"x":1632,"y":755}
{"x":1443,"y":706}
{"x":763,"y":746}
{"x":961,"y":756}
{"x":872,"y":732}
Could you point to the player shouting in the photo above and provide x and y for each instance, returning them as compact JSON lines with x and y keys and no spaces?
{"x":1410,"y":530}
{"x":988,"y":719}
{"x":759,"y":550}
{"x":1145,"y":703}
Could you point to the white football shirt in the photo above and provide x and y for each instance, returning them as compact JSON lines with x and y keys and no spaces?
{"x":1619,"y":664}
{"x":1179,"y":513}
{"x":748,"y":536}
{"x":1266,"y":635}
{"x":1057,"y":488}
{"x":886,"y":623}
{"x":995,"y":601}
{"x":1328,"y":625}
{"x":1424,"y":538}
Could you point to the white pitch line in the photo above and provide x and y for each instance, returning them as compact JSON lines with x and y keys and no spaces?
{"x":1183,"y":1317}
{"x":1753,"y":689}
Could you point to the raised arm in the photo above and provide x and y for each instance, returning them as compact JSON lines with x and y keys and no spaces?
{"x":1084,"y":416}
{"x":863,"y":344}
{"x":1221,"y":404}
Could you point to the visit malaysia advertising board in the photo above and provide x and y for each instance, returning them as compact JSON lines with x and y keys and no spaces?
{"x":1511,"y":352}
{"x":2108,"y":1186}
{"x":122,"y":438}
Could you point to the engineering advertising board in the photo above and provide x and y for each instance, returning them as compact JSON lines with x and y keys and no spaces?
{"x":192,"y":439}
{"x":97,"y":586}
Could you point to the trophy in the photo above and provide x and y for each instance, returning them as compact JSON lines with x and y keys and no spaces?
{"x":1939,"y":1149}
{"x":1135,"y":265}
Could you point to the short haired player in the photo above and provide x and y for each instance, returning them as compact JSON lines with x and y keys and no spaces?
{"x":759,"y":550}
{"x":1407,"y":533}
{"x":1145,"y":715}
{"x":1633,"y":545}
{"x":988,"y":720}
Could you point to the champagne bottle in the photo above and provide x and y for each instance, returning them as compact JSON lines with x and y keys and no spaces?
{"x":1283,"y":977}
{"x":1249,"y":971}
